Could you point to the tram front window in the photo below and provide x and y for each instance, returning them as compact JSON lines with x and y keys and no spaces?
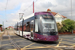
{"x":47,"y":25}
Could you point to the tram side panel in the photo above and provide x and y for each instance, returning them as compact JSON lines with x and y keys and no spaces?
{"x":20,"y":30}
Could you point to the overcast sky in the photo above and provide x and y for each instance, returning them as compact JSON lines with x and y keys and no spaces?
{"x":14,"y":7}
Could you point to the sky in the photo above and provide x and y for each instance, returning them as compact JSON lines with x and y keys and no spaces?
{"x":9,"y":11}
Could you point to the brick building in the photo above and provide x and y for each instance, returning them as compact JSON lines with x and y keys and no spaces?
{"x":10,"y":27}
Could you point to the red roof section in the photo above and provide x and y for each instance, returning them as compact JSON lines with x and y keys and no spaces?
{"x":54,"y":13}
{"x":64,"y":16}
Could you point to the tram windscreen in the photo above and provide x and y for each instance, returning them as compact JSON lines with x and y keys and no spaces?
{"x":47,"y":24}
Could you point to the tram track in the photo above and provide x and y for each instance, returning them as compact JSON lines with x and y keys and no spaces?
{"x":14,"y":43}
{"x":1,"y":38}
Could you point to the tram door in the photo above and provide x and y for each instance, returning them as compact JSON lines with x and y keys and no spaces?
{"x":32,"y":28}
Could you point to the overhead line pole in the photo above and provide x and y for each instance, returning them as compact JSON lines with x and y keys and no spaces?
{"x":33,"y":6}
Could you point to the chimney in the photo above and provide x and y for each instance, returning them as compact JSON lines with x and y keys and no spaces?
{"x":48,"y":10}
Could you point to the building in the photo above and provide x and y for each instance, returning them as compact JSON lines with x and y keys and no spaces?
{"x":58,"y":17}
{"x":10,"y":27}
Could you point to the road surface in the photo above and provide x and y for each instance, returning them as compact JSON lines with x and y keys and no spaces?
{"x":11,"y":41}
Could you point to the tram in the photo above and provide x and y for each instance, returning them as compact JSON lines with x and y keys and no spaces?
{"x":40,"y":26}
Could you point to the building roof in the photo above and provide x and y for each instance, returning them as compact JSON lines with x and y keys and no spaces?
{"x":54,"y":13}
{"x":64,"y":16}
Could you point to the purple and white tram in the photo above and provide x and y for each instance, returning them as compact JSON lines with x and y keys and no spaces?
{"x":40,"y":26}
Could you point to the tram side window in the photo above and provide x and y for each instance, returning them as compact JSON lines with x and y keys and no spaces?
{"x":28,"y":26}
{"x":24,"y":27}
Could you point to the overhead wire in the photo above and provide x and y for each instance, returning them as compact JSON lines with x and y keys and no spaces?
{"x":6,"y":8}
{"x":27,"y":7}
{"x":5,"y":12}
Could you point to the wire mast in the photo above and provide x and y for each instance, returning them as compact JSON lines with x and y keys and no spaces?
{"x":33,"y":6}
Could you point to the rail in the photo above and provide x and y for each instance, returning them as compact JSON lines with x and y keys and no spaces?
{"x":2,"y":33}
